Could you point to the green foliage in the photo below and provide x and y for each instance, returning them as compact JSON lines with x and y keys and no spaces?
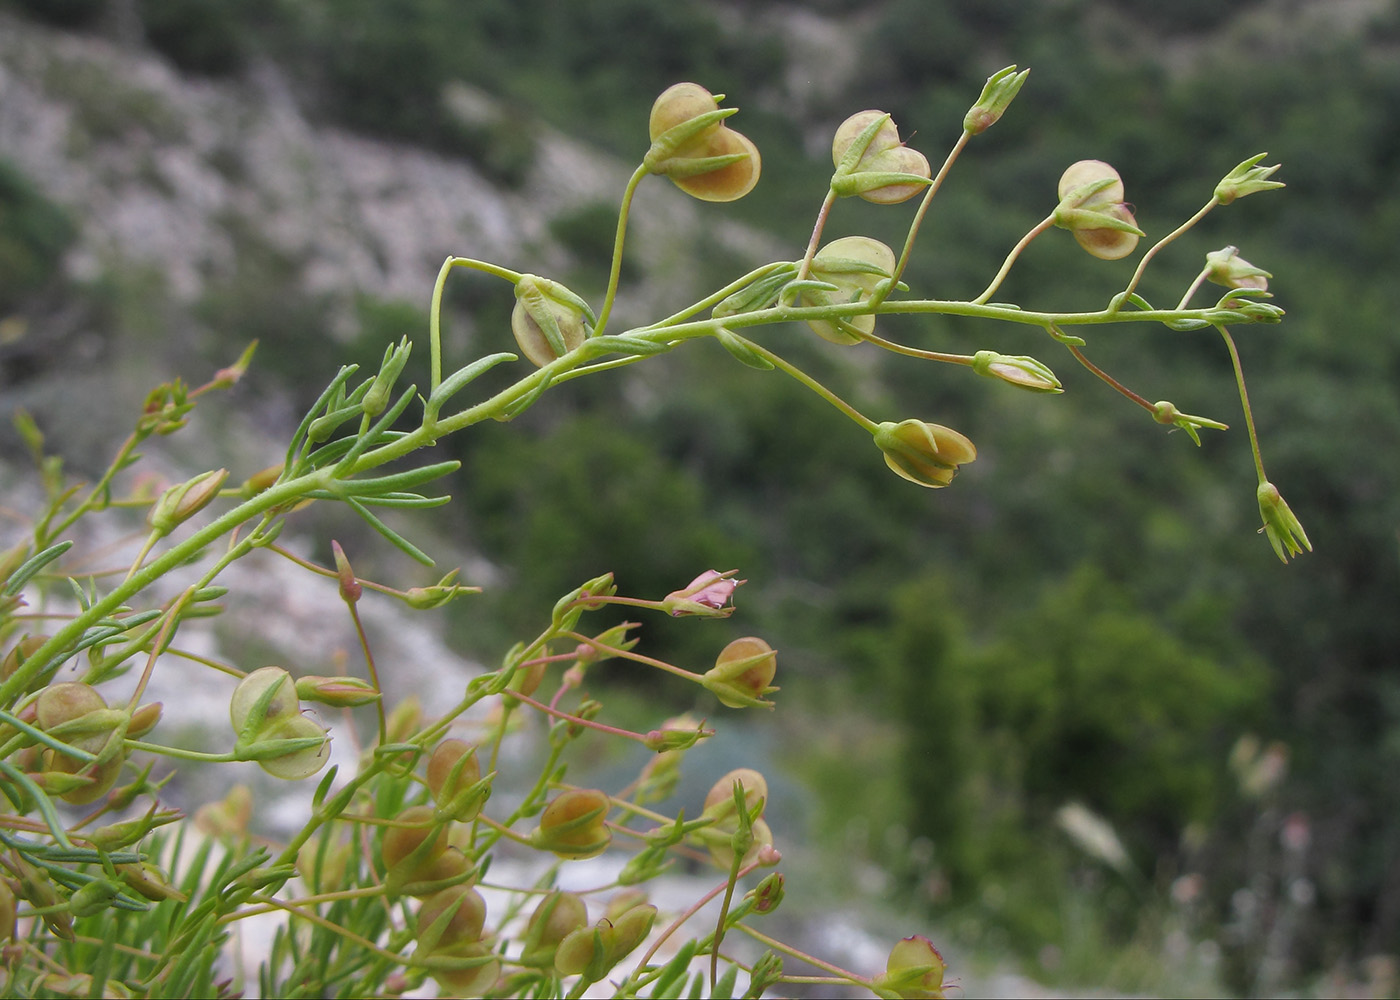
{"x":34,"y":233}
{"x":208,"y":37}
{"x":1056,"y":487}
{"x":63,"y":13}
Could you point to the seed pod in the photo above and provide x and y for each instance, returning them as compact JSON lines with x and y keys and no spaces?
{"x":572,"y":825}
{"x":856,"y":265}
{"x":1092,"y":208}
{"x":873,"y":163}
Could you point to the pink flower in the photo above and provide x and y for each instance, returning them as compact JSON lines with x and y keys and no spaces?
{"x":708,"y":594}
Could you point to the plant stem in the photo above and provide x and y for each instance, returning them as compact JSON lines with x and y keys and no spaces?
{"x":805,"y":268}
{"x":615,"y":269}
{"x":1024,"y":242}
{"x":1122,"y":297}
{"x":1244,"y":402}
{"x":1119,"y":386}
{"x":914,"y":226}
{"x":435,"y":311}
{"x":811,"y":383}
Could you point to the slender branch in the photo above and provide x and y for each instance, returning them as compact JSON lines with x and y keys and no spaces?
{"x":1122,"y":297}
{"x":914,"y":226}
{"x":804,"y":269}
{"x":1244,"y":402}
{"x":1021,"y":245}
{"x":615,"y":269}
{"x":1119,"y":386}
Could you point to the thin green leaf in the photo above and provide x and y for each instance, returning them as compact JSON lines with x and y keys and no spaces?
{"x":461,"y":378}
{"x":403,"y":544}
{"x":27,"y":569}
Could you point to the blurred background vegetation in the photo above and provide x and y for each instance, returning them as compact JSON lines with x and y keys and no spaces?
{"x":1087,"y":616}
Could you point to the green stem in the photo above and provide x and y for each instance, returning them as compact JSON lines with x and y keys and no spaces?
{"x":1244,"y":402}
{"x":805,"y":268}
{"x":802,"y":956}
{"x":719,"y":296}
{"x":914,"y":352}
{"x":1122,"y":297}
{"x":576,"y":720}
{"x":1106,"y":377}
{"x":811,"y":383}
{"x":1024,"y":242}
{"x":435,"y":311}
{"x":174,"y":557}
{"x":615,"y":269}
{"x":100,"y":489}
{"x":1190,"y":291}
{"x":373,"y":670}
{"x":881,"y":293}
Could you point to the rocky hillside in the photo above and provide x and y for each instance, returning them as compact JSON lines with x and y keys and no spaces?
{"x":187,"y":192}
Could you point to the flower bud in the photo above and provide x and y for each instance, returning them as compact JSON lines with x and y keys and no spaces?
{"x":1018,"y":370}
{"x":557,"y":916}
{"x":708,"y":594}
{"x":20,"y":652}
{"x":445,"y":590}
{"x":1247,"y":178}
{"x":92,"y":898}
{"x":260,"y":481}
{"x":230,"y":375}
{"x":336,"y":692}
{"x":725,"y":844}
{"x":1092,"y":208}
{"x":1283,"y":529}
{"x":914,"y":971}
{"x":662,"y":773}
{"x":743,"y":674}
{"x":615,"y":637}
{"x":350,"y":588}
{"x":924,"y":453}
{"x":871,"y":161}
{"x":857,"y":266}
{"x":548,"y":321}
{"x":691,"y":145}
{"x":376,"y":400}
{"x":1165,"y":412}
{"x":1226,"y":267}
{"x":143,"y":720}
{"x":149,"y":882}
{"x":719,"y":801}
{"x":768,"y":894}
{"x":453,"y":774}
{"x":1001,"y":88}
{"x":572,"y":825}
{"x":8,"y":910}
{"x":183,"y":501}
{"x":670,"y":739}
